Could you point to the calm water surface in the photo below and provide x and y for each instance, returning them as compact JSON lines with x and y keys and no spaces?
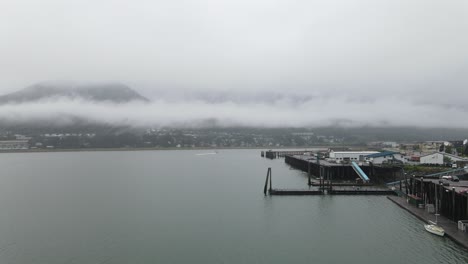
{"x":180,"y":207}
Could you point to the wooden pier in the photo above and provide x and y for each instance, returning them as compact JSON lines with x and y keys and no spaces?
{"x":362,"y":192}
{"x":325,"y":187}
{"x":294,"y":192}
{"x":450,"y":200}
{"x":341,"y":171}
{"x":337,"y":184}
{"x":424,"y":197}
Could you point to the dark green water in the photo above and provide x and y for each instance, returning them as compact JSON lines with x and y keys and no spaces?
{"x":180,"y":207}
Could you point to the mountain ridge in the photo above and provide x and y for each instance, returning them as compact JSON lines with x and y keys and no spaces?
{"x":96,"y":92}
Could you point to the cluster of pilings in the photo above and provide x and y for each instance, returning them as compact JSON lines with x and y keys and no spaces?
{"x":446,"y":200}
{"x":325,"y":187}
{"x":268,"y":189}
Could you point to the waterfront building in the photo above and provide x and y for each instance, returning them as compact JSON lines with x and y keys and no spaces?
{"x":13,"y":144}
{"x":385,"y":157}
{"x":438,"y":158}
{"x":350,"y":155}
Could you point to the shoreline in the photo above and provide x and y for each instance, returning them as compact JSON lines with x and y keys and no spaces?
{"x":451,"y":228}
{"x":150,"y":149}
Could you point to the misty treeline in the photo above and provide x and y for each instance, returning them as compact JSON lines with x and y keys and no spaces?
{"x":179,"y":138}
{"x":121,"y":137}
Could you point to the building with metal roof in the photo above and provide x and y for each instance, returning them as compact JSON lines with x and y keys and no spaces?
{"x":385,"y":157}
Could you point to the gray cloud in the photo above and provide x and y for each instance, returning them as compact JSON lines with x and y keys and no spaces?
{"x":274,"y":113}
{"x":277,"y":62}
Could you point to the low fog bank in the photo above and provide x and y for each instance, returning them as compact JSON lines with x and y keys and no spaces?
{"x":280,"y":111}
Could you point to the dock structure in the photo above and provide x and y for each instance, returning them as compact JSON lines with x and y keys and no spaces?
{"x":273,"y":154}
{"x":295,"y":192}
{"x":449,"y":198}
{"x":425,"y":197}
{"x":268,"y":188}
{"x":342,"y":171}
{"x":422,"y":197}
{"x":325,"y":187}
{"x":451,"y":228}
{"x":361,"y":190}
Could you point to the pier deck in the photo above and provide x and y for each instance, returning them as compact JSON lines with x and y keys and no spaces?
{"x":294,"y":192}
{"x":336,"y":190}
{"x":450,"y":227}
{"x":327,"y":187}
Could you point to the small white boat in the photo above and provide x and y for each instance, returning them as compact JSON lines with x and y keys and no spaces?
{"x":434,"y":229}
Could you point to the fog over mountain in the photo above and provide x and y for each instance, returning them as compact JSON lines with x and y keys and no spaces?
{"x":122,"y":106}
{"x":262,"y":63}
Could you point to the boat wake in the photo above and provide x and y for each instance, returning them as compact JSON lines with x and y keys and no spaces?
{"x":209,"y":153}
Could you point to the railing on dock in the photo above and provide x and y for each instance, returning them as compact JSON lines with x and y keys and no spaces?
{"x":449,"y":172}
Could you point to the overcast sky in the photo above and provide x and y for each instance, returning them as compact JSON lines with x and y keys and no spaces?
{"x":368,"y":53}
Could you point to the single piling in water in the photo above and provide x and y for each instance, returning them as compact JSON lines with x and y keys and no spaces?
{"x":271,"y":179}
{"x":266,"y":181}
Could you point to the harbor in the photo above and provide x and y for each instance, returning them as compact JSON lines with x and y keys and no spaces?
{"x":443,"y":194}
{"x":325,"y":177}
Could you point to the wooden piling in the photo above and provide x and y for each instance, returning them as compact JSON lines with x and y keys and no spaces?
{"x":271,"y":179}
{"x":266,"y":181}
{"x":453,"y":203}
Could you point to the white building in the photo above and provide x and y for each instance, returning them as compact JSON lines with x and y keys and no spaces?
{"x":438,"y":158}
{"x":350,"y":155}
{"x":22,"y":137}
{"x":390,"y":144}
{"x":386,"y":156}
{"x":13,"y":144}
